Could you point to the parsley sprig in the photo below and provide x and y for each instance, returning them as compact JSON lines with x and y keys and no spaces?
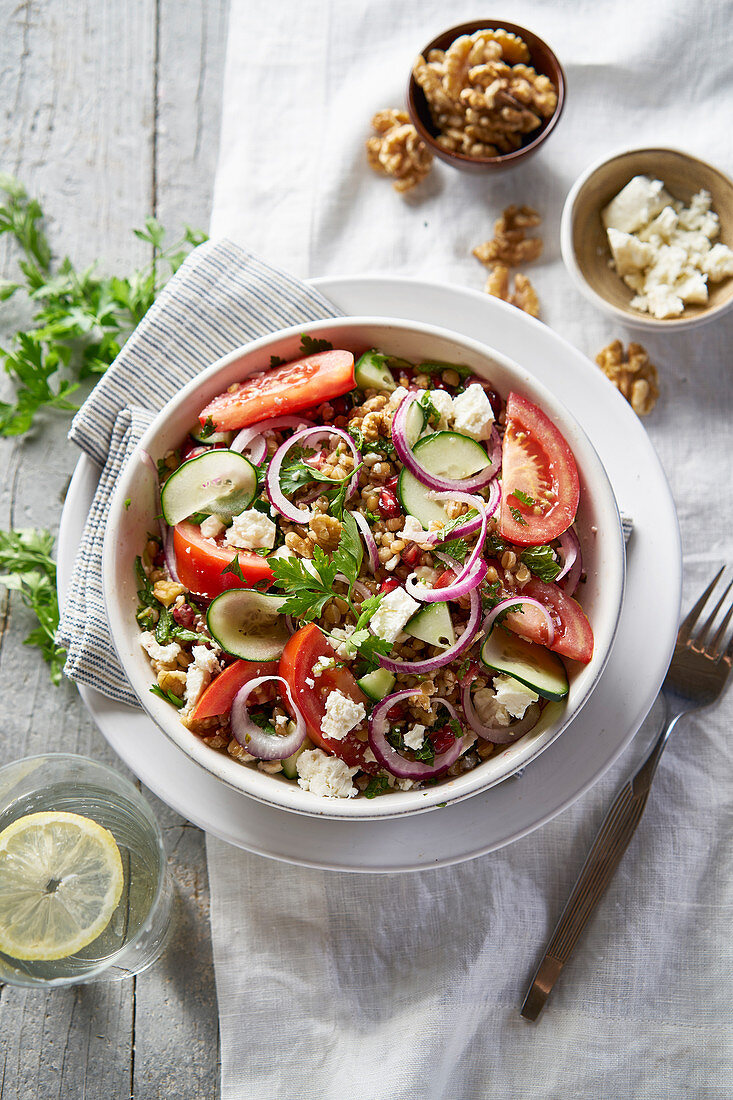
{"x":25,"y":556}
{"x":80,"y":320}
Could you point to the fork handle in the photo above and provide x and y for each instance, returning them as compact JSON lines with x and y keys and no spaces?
{"x":599,"y":868}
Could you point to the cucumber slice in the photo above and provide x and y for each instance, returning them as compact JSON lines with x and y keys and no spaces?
{"x":372,"y":372}
{"x":414,"y":423}
{"x":290,"y":763}
{"x":221,"y":483}
{"x":432,"y":624}
{"x":248,"y":624}
{"x":198,"y":433}
{"x":377,"y":684}
{"x":533,"y":665}
{"x":446,"y":454}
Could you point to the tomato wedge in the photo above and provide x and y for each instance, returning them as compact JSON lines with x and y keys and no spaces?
{"x":301,"y":652}
{"x":286,"y":389}
{"x":219,"y":695}
{"x":573,"y":633}
{"x":200,"y":561}
{"x":538,"y":473}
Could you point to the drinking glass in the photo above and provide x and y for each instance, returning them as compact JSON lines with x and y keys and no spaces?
{"x":140,"y":924}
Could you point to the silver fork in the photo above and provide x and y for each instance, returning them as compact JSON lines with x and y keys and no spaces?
{"x":696,"y":677}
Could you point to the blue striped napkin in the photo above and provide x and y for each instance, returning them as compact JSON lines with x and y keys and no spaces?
{"x":221,"y":297}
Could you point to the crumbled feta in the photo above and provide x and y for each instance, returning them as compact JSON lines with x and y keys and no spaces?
{"x":413,"y":530}
{"x":393,"y":612}
{"x":211,"y":527}
{"x":347,"y":639}
{"x":396,"y":398}
{"x":198,"y":675}
{"x":166,"y":654}
{"x":443,"y":403}
{"x":324,"y":775}
{"x":322,"y":664}
{"x":636,"y":204}
{"x":342,"y":714}
{"x":405,"y":784}
{"x":414,"y":737}
{"x":251,"y":530}
{"x":514,"y":696}
{"x":663,"y":252}
{"x":472,"y":413}
{"x":311,"y":683}
{"x":392,"y":563}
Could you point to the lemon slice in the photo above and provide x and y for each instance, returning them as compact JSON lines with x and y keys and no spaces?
{"x":60,"y":881}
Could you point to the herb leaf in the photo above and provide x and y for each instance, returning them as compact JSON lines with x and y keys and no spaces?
{"x":26,"y":556}
{"x":310,"y":346}
{"x":234,"y":567}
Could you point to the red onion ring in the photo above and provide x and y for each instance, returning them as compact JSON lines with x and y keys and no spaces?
{"x":404,"y":453}
{"x":466,"y":640}
{"x":470,"y":525}
{"x":247,"y":435}
{"x":272,"y":478}
{"x":391,"y":759}
{"x":369,"y":540}
{"x":572,"y":562}
{"x":263,"y":745}
{"x":504,"y":605}
{"x":499,"y":735}
{"x":170,"y":555}
{"x":469,"y":575}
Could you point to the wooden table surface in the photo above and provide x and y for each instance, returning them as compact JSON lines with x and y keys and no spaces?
{"x":111,"y":114}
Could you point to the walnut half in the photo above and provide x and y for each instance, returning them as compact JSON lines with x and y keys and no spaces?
{"x":632,"y":373}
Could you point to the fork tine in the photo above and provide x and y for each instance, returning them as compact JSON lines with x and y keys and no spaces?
{"x":717,"y":641}
{"x":728,"y":655}
{"x":683,"y":635}
{"x":702,"y":633}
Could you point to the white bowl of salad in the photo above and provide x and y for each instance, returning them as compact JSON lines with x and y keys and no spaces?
{"x":362,"y":568}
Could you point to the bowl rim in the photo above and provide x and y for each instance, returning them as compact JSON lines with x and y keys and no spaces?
{"x":567,"y":219}
{"x":259,"y":785}
{"x":504,"y":158}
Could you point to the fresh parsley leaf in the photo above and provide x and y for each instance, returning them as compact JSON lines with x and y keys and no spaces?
{"x":426,"y":752}
{"x":261,"y":719}
{"x":453,"y":524}
{"x":25,"y":555}
{"x":378,"y":784}
{"x":207,"y":429}
{"x":234,"y":568}
{"x":456,"y":548}
{"x":311,"y":346}
{"x":431,"y":413}
{"x":456,"y":727}
{"x":276,"y":361}
{"x":518,"y":516}
{"x":350,"y":553}
{"x":368,"y":607}
{"x":524,"y":498}
{"x":490,"y":596}
{"x":169,"y":696}
{"x":307,"y":595}
{"x":81,"y":320}
{"x":370,"y":649}
{"x":540,"y":560}
{"x":371,"y":446}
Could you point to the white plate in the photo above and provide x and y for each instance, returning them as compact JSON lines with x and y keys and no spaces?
{"x":587,"y":747}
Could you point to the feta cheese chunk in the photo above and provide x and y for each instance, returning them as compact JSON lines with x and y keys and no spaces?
{"x":342,"y":714}
{"x":322,"y":664}
{"x":636,"y":204}
{"x":718,"y":263}
{"x":346,"y":639}
{"x":512,"y":695}
{"x":211,"y":527}
{"x":198,"y":675}
{"x":414,"y":737}
{"x":324,"y":775}
{"x":472,"y":413}
{"x":443,"y":402}
{"x":166,"y":654}
{"x":629,"y":253}
{"x":251,"y":530}
{"x":393,"y":612}
{"x":396,"y":398}
{"x":413,"y":530}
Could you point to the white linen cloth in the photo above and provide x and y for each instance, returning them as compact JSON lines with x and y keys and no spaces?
{"x":408,"y":987}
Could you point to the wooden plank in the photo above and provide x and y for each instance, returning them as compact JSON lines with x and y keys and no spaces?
{"x":109,"y":116}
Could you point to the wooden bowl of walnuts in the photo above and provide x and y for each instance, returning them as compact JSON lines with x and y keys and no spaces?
{"x":483,"y":96}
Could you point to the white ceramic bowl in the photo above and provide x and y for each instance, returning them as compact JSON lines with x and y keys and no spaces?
{"x":598,"y":525}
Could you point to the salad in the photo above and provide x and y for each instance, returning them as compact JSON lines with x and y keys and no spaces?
{"x":365,"y":575}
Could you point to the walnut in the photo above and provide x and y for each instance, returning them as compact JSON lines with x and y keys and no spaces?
{"x":299,"y":545}
{"x":398,"y":151}
{"x":174,"y":681}
{"x":167,"y":591}
{"x":483,"y":79}
{"x":239,"y":753}
{"x":524,"y":295}
{"x":509,"y":245}
{"x":326,"y":531}
{"x":632,"y":374}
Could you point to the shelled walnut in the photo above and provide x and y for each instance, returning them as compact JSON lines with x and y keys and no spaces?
{"x":510,"y":245}
{"x":397,"y":151}
{"x":632,"y":373}
{"x":523,"y":296}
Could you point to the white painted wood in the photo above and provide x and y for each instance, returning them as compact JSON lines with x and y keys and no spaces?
{"x":110,"y":113}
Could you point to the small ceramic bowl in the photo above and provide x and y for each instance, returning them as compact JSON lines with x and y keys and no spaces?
{"x":585,"y":245}
{"x":136,"y":504}
{"x":541,"y":58}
